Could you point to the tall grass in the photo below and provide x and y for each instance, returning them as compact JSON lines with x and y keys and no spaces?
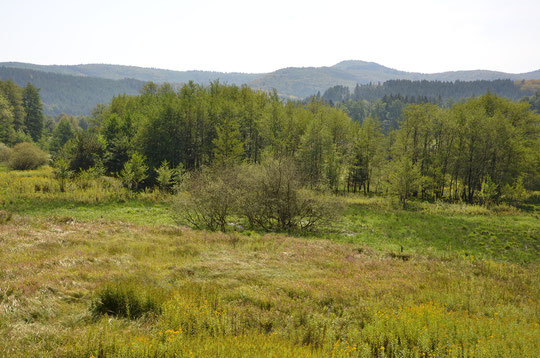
{"x":77,"y":282}
{"x":41,"y":185}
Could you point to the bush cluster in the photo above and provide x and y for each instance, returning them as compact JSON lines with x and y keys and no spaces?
{"x":269,"y":196}
{"x":26,"y":156}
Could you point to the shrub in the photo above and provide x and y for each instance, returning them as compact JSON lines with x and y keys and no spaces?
{"x":274,"y":199}
{"x":208,"y":198}
{"x":5,"y":153}
{"x":127,"y":300}
{"x":167,"y":178}
{"x":84,"y":150}
{"x":61,"y":172}
{"x":488,"y":194}
{"x":26,"y":156}
{"x":134,"y":172}
{"x":268,"y":197}
{"x":514,"y":193}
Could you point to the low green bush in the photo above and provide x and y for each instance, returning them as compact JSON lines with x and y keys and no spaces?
{"x":26,"y":156}
{"x":127,"y":300}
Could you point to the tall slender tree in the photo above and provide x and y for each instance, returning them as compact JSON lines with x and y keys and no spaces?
{"x":13,"y":94}
{"x":33,"y":107}
{"x":6,"y":122}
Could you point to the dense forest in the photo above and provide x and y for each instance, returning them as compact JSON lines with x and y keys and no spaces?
{"x":75,"y":95}
{"x":77,"y":89}
{"x":431,"y":89}
{"x":485,"y":148}
{"x":386,"y":101}
{"x":118,"y":72}
{"x":301,"y":82}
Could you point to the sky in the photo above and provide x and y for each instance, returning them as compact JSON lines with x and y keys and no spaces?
{"x":262,"y":36}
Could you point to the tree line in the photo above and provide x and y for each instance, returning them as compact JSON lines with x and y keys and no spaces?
{"x":438,"y":90}
{"x":76,"y":95}
{"x":21,"y":116}
{"x":481,"y":149}
{"x":386,"y":101}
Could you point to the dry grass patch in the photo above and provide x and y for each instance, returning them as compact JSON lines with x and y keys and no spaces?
{"x":291,"y":296}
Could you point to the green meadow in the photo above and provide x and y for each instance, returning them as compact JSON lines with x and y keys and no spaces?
{"x":100,"y":271}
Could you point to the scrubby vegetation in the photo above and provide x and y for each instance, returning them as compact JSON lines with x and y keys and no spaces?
{"x":264,"y":197}
{"x":100,"y":270}
{"x":26,"y":156}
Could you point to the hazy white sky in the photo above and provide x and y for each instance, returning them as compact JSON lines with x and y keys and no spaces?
{"x":262,"y":36}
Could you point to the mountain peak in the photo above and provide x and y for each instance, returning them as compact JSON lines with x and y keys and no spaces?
{"x":357,"y":65}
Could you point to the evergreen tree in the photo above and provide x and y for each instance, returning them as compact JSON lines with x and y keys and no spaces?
{"x":228,"y":147}
{"x":7,"y":132}
{"x":134,"y":172}
{"x":13,"y":94}
{"x":33,"y":108}
{"x":63,"y":132}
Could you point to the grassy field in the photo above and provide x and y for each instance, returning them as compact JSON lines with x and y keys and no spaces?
{"x":97,"y":271}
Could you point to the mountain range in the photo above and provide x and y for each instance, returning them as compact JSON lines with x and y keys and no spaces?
{"x":76,"y":89}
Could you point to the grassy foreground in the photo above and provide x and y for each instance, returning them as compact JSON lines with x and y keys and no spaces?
{"x":465,"y":285}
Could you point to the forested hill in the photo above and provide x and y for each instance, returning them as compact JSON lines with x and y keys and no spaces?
{"x":77,"y":89}
{"x":118,"y":72}
{"x":301,"y":82}
{"x":69,"y":94}
{"x":432,"y":90}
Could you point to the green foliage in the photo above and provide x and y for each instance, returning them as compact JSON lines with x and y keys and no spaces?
{"x":26,"y":156}
{"x":5,"y":153}
{"x":7,"y":131}
{"x":33,"y":107}
{"x":62,"y":133}
{"x":489,"y":192}
{"x":404,"y":178}
{"x":21,"y":137}
{"x":227,"y":125}
{"x":465,"y":284}
{"x":362,"y":159}
{"x":84,"y":151}
{"x":228,"y":148}
{"x":14,"y":95}
{"x":62,"y":171}
{"x":179,"y":174}
{"x":165,"y":176}
{"x":135,"y":172}
{"x":449,"y":151}
{"x":514,"y":193}
{"x":127,"y":300}
{"x":74,"y":95}
{"x":430,"y":90}
{"x":273,"y":199}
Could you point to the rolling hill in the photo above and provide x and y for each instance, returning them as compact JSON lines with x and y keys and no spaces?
{"x":297,"y":82}
{"x":76,"y":89}
{"x":119,"y":72}
{"x":69,"y":94}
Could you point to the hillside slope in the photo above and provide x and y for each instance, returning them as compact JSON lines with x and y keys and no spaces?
{"x":74,"y":95}
{"x":118,"y":72}
{"x":300,"y":82}
{"x":76,"y":89}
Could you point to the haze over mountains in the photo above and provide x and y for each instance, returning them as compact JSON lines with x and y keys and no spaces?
{"x":305,"y":81}
{"x":76,"y":89}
